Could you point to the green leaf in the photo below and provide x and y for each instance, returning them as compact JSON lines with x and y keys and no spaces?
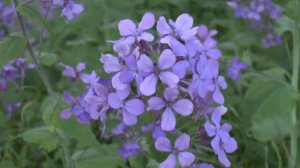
{"x":32,"y":14}
{"x":42,"y":137}
{"x":106,"y":157}
{"x":11,"y":48}
{"x":48,"y":58}
{"x":271,"y":104}
{"x":52,"y":106}
{"x":285,"y":24}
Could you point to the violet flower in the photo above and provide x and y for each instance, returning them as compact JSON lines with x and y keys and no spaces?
{"x":72,"y":73}
{"x":235,"y":67}
{"x":129,"y":149}
{"x":72,"y":10}
{"x":182,"y":143}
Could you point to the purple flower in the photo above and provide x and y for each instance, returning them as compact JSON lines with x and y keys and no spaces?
{"x":71,"y":72}
{"x":72,"y":10}
{"x":182,"y":143}
{"x":155,"y":128}
{"x":235,"y":67}
{"x":272,"y":40}
{"x":182,"y":28}
{"x":203,"y":165}
{"x":166,"y":60}
{"x":3,"y":85}
{"x":11,"y":107}
{"x":203,"y":32}
{"x":183,"y":107}
{"x":129,"y":30}
{"x":79,"y":108}
{"x":222,"y":142}
{"x":130,"y":109}
{"x":129,"y":149}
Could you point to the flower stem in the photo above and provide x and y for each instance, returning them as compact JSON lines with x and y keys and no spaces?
{"x":295,"y":78}
{"x":39,"y":69}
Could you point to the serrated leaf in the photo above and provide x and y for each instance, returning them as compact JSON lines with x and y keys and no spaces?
{"x":42,"y":137}
{"x":11,"y":48}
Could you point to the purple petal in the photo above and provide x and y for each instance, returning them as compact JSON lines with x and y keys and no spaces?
{"x":221,"y":82}
{"x":180,"y":68}
{"x":145,"y":64}
{"x":146,"y":36}
{"x":170,"y":94}
{"x":216,"y":118}
{"x":202,"y":31}
{"x":80,"y":67}
{"x":67,"y":113}
{"x":126,"y":76}
{"x":218,"y":96}
{"x":166,"y":59}
{"x":158,"y":132}
{"x":226,"y":127}
{"x":155,"y":103}
{"x":147,"y":21}
{"x":163,"y":144}
{"x":223,"y":159}
{"x":189,"y":34}
{"x":168,"y":121}
{"x":114,"y":101}
{"x":69,"y":71}
{"x":128,"y":118}
{"x":169,"y":78}
{"x":210,"y":129}
{"x":205,"y":165}
{"x":230,"y":146}
{"x":126,"y":27}
{"x":148,"y":86}
{"x":178,"y":48}
{"x":184,"y":107}
{"x":182,"y":142}
{"x":170,"y":162}
{"x":101,"y":91}
{"x":111,"y":63}
{"x":162,"y":26}
{"x":69,"y":98}
{"x":184,"y":22}
{"x":124,"y":93}
{"x":215,"y":144}
{"x":135,"y":107}
{"x":214,"y":53}
{"x":186,"y":158}
{"x":116,"y":83}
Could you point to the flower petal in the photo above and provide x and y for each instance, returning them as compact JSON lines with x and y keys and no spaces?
{"x":147,"y":21}
{"x":126,"y":76}
{"x":169,"y":78}
{"x":145,"y":64}
{"x":163,"y":27}
{"x":67,"y":113}
{"x":155,"y":103}
{"x":170,"y":162}
{"x":146,"y":36}
{"x":163,"y":144}
{"x":184,"y":107}
{"x":218,"y":96}
{"x":178,"y":48}
{"x":168,"y":120}
{"x":180,"y":68}
{"x":128,"y":118}
{"x":223,"y":159}
{"x":230,"y":146}
{"x":116,"y":83}
{"x":126,"y":27}
{"x":114,"y":101}
{"x":170,"y":94}
{"x":210,"y":129}
{"x":214,"y":53}
{"x":166,"y":59}
{"x":148,"y":86}
{"x":182,"y":142}
{"x":135,"y":107}
{"x":186,"y":158}
{"x":184,"y":22}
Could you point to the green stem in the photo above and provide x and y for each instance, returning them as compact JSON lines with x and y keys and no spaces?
{"x":64,"y":144}
{"x":295,"y":78}
{"x":39,"y":69}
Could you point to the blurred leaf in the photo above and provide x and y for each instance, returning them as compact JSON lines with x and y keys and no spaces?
{"x":106,"y":157}
{"x":284,"y":24}
{"x":48,"y":58}
{"x":152,"y":164}
{"x":271,"y":103}
{"x":11,"y":48}
{"x":42,"y":137}
{"x":32,"y":14}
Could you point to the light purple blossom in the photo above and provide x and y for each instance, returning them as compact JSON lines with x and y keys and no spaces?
{"x":222,"y":142}
{"x":129,"y":149}
{"x":72,"y":10}
{"x":183,"y":107}
{"x":71,"y":72}
{"x":128,"y":29}
{"x":182,"y":143}
{"x":235,"y":67}
{"x":165,"y":61}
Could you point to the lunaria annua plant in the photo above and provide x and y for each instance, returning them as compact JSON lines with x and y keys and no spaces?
{"x":171,"y":79}
{"x":262,"y":14}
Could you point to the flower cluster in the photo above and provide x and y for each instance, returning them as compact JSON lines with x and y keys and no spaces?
{"x":171,"y":78}
{"x":11,"y":73}
{"x":70,"y":9}
{"x":235,"y":67}
{"x":262,"y":14}
{"x":7,"y":15}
